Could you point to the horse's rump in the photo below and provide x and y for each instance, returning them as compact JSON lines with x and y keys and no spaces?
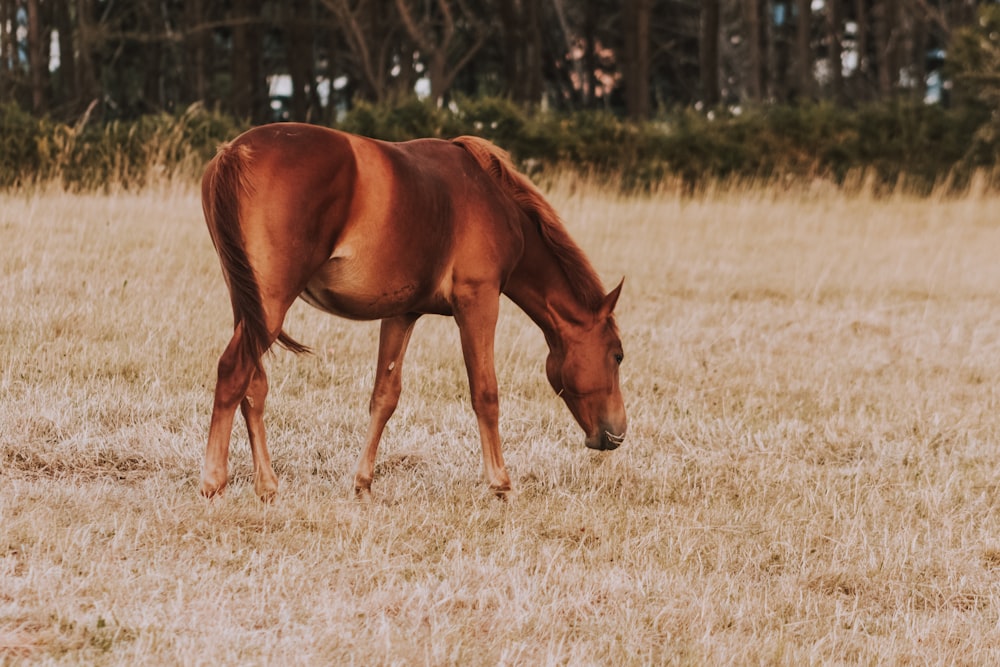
{"x":227,"y":178}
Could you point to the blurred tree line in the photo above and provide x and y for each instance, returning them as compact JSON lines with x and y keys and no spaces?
{"x":314,"y":59}
{"x":121,"y":93}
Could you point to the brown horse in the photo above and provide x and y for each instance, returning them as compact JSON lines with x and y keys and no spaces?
{"x":369,"y":230}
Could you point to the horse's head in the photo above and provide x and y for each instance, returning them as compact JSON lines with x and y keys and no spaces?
{"x":583,"y":370}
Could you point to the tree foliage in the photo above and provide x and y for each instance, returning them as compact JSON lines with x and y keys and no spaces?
{"x":631,"y":57}
{"x":104,"y":91}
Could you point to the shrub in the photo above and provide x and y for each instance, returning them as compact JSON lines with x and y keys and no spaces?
{"x":118,"y":153}
{"x":19,"y":136}
{"x":894,"y":142}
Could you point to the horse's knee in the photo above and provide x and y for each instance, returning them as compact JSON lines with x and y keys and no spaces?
{"x":486,"y":404}
{"x":382,"y":408}
{"x":384,"y":399}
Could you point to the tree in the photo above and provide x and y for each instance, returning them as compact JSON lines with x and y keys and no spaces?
{"x":197,"y":51}
{"x":803,"y":48}
{"x":755,"y":51}
{"x":38,"y":57}
{"x":975,"y":61}
{"x":87,"y":86}
{"x":886,"y":37}
{"x":373,"y":36}
{"x":521,"y":32}
{"x":708,"y":52}
{"x":134,"y":57}
{"x":249,"y":95}
{"x":445,"y":49}
{"x":636,"y":15}
{"x":835,"y":39}
{"x":298,"y":28}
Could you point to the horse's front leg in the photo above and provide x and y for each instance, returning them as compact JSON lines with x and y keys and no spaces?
{"x":476,"y":314}
{"x":235,"y":374}
{"x":394,"y":336}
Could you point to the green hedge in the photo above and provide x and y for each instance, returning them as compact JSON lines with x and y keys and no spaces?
{"x":912,"y":143}
{"x":896,"y":142}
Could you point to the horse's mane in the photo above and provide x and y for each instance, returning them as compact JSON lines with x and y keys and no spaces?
{"x":497,"y":163}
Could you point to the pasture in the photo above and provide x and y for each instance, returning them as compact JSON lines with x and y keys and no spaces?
{"x":810,"y":475}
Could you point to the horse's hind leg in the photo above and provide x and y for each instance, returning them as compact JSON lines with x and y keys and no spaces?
{"x":265,"y":482}
{"x":235,"y":375}
{"x":393,"y":338}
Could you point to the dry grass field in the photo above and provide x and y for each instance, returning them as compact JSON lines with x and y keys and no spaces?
{"x":812,"y":473}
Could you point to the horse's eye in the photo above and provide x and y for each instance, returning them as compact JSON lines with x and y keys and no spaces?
{"x":619,"y":357}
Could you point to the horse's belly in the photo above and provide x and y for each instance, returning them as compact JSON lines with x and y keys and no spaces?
{"x":348,"y":289}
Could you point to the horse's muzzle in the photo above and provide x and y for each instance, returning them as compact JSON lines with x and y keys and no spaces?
{"x":606,"y":440}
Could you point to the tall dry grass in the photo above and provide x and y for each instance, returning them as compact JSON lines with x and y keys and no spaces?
{"x":810,"y":475}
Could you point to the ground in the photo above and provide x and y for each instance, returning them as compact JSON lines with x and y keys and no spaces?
{"x":810,"y":474}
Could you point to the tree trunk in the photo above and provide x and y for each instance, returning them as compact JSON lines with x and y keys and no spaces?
{"x":708,"y":52}
{"x":153,"y":93}
{"x":533,"y":79}
{"x":590,"y":53}
{"x":885,"y":46}
{"x":522,"y":52}
{"x":755,"y":61}
{"x":249,"y":94}
{"x":918,"y":57}
{"x":299,"y":52}
{"x":241,"y":97}
{"x":510,"y":25}
{"x":87,"y":48}
{"x":68,"y":94}
{"x":198,"y":45}
{"x":637,"y":15}
{"x":437,"y":72}
{"x":7,"y":9}
{"x":862,"y":91}
{"x":38,"y":57}
{"x":836,"y":37}
{"x":364,"y":37}
{"x":435,"y":39}
{"x":782,"y":80}
{"x":803,"y":48}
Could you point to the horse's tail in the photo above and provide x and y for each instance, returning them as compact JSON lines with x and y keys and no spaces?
{"x":224,"y":181}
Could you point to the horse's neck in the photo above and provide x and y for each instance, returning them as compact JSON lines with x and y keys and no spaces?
{"x":539,"y":287}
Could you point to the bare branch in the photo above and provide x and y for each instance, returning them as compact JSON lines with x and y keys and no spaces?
{"x":449,"y":24}
{"x":356,"y":37}
{"x":417,"y":33}
{"x":932,"y":13}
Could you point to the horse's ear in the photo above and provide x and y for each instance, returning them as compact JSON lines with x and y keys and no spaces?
{"x":608,"y":305}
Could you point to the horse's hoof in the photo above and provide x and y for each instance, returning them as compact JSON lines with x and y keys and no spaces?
{"x":211,"y":489}
{"x":266,"y":487}
{"x":501,"y":493}
{"x":363,"y":494}
{"x":267,"y":495}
